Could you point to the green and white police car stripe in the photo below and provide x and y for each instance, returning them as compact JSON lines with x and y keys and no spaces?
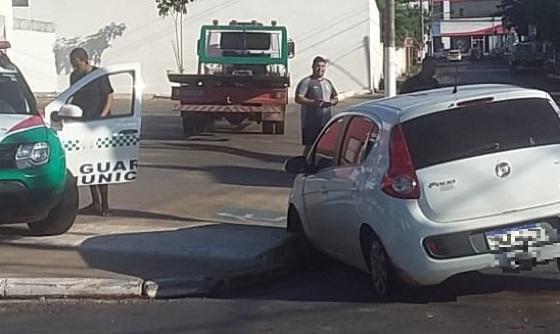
{"x":71,"y":145}
{"x":117,"y":141}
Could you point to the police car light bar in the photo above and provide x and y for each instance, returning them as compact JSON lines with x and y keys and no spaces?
{"x":5,"y":45}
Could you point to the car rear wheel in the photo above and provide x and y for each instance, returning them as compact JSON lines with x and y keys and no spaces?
{"x":62,"y":216}
{"x":382,"y":277}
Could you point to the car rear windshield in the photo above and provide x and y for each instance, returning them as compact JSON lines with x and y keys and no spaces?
{"x":14,"y":97}
{"x":481,"y":129}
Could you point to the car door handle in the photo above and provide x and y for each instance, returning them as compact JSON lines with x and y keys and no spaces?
{"x":324,"y":190}
{"x":128,"y":132}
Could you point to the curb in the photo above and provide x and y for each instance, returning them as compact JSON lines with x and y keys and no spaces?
{"x":20,"y":288}
{"x":274,"y":262}
{"x":203,"y":286}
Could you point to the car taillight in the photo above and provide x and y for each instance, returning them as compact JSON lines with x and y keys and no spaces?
{"x":278,"y":95}
{"x":400,"y":180}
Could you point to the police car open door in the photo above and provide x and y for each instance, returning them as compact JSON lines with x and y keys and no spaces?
{"x":100,"y":150}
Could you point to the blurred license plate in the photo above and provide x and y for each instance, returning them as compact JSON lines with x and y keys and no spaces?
{"x":523,"y":236}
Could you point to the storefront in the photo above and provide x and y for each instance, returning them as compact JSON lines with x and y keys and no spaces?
{"x":486,"y":34}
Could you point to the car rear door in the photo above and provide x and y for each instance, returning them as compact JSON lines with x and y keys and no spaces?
{"x":324,"y":158}
{"x":103,"y":150}
{"x":341,"y":231}
{"x":486,"y":159}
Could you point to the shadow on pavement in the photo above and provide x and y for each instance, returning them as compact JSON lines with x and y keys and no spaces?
{"x":265,"y":157}
{"x":186,"y":252}
{"x":123,"y":213}
{"x":10,"y":231}
{"x":339,"y":283}
{"x":237,"y":175}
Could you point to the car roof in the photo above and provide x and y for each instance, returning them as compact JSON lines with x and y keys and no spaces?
{"x":409,"y":106}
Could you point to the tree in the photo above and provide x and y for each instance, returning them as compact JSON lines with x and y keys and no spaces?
{"x":407,"y":20}
{"x":544,"y":14}
{"x":177,"y":9}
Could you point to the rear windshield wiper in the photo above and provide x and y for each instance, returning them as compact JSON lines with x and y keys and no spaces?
{"x":486,"y":148}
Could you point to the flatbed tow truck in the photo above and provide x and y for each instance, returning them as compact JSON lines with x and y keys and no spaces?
{"x":242,"y":75}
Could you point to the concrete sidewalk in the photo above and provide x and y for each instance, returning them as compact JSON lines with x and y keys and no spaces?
{"x":131,"y":258}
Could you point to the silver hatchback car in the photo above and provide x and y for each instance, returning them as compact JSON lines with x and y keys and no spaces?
{"x":421,"y":187}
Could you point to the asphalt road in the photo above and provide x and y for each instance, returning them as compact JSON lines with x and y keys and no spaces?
{"x":238,"y":177}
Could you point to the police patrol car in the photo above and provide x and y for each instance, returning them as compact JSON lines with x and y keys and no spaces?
{"x":45,"y":156}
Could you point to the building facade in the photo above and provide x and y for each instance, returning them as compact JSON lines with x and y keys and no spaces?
{"x":32,"y":42}
{"x":346,"y":33}
{"x":467,"y":24}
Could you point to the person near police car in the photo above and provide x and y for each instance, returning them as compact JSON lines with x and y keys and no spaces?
{"x":316,"y":95}
{"x":95,"y":100}
{"x":424,"y":80}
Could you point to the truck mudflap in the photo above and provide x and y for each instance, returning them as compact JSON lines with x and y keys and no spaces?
{"x":229,"y":108}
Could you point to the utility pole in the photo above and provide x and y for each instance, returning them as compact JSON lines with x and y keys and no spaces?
{"x":389,"y":52}
{"x":430,"y":36}
{"x":423,"y":41}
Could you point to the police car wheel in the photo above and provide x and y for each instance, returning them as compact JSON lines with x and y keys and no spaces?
{"x":62,"y":216}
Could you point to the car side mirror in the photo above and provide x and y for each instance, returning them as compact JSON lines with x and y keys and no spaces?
{"x":296,"y":165}
{"x":291,"y":48}
{"x":70,"y":111}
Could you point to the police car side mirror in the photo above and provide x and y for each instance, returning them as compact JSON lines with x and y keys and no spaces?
{"x":70,"y":111}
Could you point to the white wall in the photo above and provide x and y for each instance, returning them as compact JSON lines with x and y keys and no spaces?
{"x":6,"y":11}
{"x":400,"y":56}
{"x":32,"y":52}
{"x":332,"y":28}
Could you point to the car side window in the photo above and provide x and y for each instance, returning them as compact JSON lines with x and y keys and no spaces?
{"x":325,"y":152}
{"x":93,"y":97}
{"x":360,"y":137}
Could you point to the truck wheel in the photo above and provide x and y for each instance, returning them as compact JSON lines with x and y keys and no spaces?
{"x":279,"y":128}
{"x":188,"y":127}
{"x":62,"y":216}
{"x":268,"y":127}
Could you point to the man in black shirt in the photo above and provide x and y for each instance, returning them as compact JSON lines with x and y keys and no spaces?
{"x":424,"y":80}
{"x":95,"y":99}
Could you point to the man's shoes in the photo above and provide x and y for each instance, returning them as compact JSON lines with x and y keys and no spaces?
{"x":106,"y":212}
{"x":91,"y":209}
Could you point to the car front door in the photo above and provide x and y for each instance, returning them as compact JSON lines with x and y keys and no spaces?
{"x":324,"y":159}
{"x":102,"y":150}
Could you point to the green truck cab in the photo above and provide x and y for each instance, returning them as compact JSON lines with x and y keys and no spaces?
{"x":242,"y":75}
{"x":46,"y":154}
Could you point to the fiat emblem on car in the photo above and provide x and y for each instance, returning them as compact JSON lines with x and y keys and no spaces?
{"x":503,"y":169}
